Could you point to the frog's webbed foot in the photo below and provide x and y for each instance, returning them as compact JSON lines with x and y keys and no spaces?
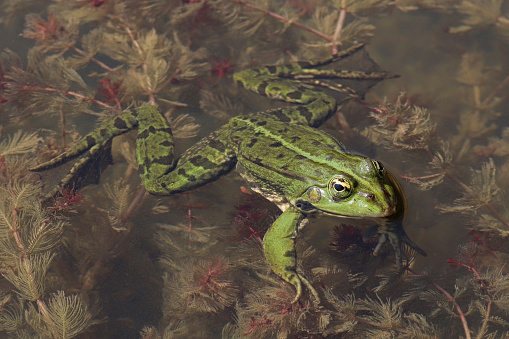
{"x":97,"y":143}
{"x":394,"y":233}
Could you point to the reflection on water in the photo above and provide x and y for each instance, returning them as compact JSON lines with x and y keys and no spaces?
{"x":133,"y":265}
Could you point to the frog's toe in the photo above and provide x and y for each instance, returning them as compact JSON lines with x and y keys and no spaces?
{"x":396,"y":235}
{"x":297,"y":280}
{"x":310,"y":288}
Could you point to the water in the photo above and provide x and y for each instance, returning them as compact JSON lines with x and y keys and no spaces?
{"x":192,"y":265}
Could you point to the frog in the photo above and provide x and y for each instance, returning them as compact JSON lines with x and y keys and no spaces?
{"x":280,"y":153}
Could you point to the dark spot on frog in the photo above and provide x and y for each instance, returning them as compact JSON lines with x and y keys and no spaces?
{"x":304,"y":111}
{"x":164,"y":160}
{"x":119,"y":123}
{"x":143,"y":134}
{"x":261,"y":88}
{"x":152,"y":130}
{"x":258,"y":161}
{"x":300,"y":157}
{"x":252,"y":142}
{"x":191,"y":178}
{"x":271,"y":69}
{"x":142,"y":169}
{"x":276,"y":144}
{"x":386,"y":193}
{"x":295,"y":95}
{"x":201,"y":162}
{"x":90,"y":141}
{"x":280,"y":155}
{"x":304,"y":205}
{"x":370,"y":196}
{"x":147,"y":162}
{"x":166,"y":130}
{"x":216,"y":145}
{"x":278,"y":114}
{"x":261,"y":123}
{"x":166,"y":143}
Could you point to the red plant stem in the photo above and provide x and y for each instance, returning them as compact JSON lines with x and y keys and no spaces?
{"x":71,"y":93}
{"x":189,"y":213}
{"x":337,"y":31}
{"x":451,"y":299}
{"x":495,"y":91}
{"x":101,"y":64}
{"x":62,"y":122}
{"x":368,"y":322}
{"x":15,"y":232}
{"x":424,"y":177}
{"x":288,"y":21}
{"x":134,"y":203}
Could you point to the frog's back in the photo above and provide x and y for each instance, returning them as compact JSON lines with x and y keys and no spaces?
{"x":264,"y":134}
{"x":288,"y":152}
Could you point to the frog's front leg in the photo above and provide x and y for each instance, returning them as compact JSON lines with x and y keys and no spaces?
{"x":279,"y":250}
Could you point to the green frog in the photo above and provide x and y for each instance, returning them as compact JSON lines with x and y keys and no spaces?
{"x":279,"y":153}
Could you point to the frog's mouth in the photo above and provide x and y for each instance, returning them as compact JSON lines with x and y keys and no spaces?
{"x":391,"y":212}
{"x":307,"y":207}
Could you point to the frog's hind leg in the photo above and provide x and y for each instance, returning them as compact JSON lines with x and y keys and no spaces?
{"x":159,"y":170}
{"x":294,"y":83}
{"x":315,"y":106}
{"x":95,"y":142}
{"x":345,"y":53}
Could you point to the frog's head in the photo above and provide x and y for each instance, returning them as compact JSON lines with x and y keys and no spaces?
{"x":365,"y":190}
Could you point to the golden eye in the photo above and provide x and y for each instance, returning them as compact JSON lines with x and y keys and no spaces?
{"x":340,"y":187}
{"x":378,"y":167}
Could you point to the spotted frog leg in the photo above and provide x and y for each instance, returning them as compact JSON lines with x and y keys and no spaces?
{"x":158,"y":167}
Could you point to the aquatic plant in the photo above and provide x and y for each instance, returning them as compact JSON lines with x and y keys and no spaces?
{"x":192,"y":265}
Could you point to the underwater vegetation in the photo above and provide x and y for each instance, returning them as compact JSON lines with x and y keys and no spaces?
{"x":108,"y":260}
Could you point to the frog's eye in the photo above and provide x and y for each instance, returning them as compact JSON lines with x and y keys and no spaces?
{"x":340,"y":187}
{"x":379,"y":168}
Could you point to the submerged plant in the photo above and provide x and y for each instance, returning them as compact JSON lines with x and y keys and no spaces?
{"x":29,"y":235}
{"x":178,"y":267}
